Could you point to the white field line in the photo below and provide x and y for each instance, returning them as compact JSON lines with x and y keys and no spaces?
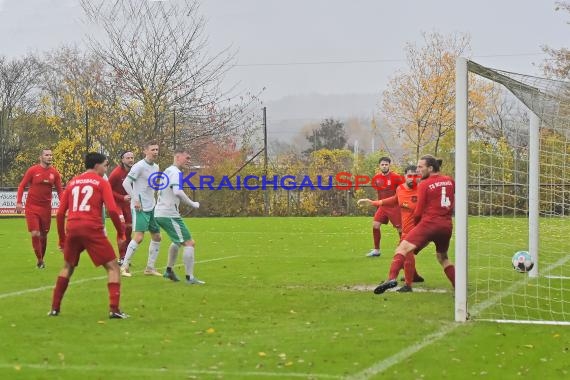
{"x":19,"y":368}
{"x":558,"y":277}
{"x":370,"y":288}
{"x":50,"y":287}
{"x":288,"y":233}
{"x":390,"y":361}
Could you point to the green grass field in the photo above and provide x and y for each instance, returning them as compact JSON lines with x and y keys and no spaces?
{"x":284,"y":298}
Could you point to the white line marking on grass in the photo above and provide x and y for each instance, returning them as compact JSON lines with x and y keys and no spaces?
{"x":558,"y":277}
{"x":18,"y":367}
{"x":370,"y":288}
{"x":297,"y":233}
{"x":390,"y":361}
{"x":49,"y":287}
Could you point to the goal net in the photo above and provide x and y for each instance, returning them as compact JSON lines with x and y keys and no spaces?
{"x":513,"y":194}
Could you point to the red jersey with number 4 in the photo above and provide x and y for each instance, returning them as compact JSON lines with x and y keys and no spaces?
{"x":436,"y":199}
{"x":83,"y":200}
{"x":41,"y":181}
{"x":386,"y":184}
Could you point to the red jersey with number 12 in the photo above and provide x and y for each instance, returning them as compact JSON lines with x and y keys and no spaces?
{"x":436,"y":199}
{"x":83,"y":200}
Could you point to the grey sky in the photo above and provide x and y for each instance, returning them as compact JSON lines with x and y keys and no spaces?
{"x":505,"y":34}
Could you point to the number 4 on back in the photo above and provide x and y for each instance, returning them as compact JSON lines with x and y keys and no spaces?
{"x":445,"y":202}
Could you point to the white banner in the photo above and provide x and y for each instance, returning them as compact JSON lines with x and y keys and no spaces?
{"x":8,"y":202}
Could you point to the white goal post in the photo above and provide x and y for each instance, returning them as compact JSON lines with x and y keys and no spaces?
{"x":511,"y":195}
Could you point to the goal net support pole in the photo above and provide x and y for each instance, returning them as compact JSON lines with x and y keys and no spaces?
{"x":461,"y":141}
{"x":533,"y":190}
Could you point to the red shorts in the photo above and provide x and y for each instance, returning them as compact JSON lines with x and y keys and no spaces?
{"x":38,"y":220}
{"x":404,"y":236}
{"x":424,"y":233}
{"x":389,"y":214}
{"x":80,"y":238}
{"x":125,"y":209}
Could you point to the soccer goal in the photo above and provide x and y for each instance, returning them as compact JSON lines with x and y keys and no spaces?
{"x":512,"y":173}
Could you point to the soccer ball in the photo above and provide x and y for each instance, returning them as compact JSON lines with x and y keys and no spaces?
{"x":522,"y":262}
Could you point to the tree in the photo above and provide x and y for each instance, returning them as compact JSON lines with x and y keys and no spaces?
{"x":83,"y":110}
{"x":158,"y":59}
{"x":330,"y":135}
{"x":18,"y":79}
{"x":558,"y":65}
{"x":420,"y":102}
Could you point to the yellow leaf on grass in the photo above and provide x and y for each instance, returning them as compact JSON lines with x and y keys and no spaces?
{"x":262,"y":354}
{"x":211,"y":330}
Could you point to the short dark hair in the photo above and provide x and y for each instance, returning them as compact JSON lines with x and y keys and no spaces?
{"x":387,"y":159}
{"x":43,"y":150}
{"x":410,"y":168}
{"x":94,"y":158}
{"x":181,"y":150}
{"x":149,"y":143}
{"x":435,"y":163}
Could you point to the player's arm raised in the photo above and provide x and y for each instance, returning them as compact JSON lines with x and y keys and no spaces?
{"x":391,"y":201}
{"x":183,"y":197}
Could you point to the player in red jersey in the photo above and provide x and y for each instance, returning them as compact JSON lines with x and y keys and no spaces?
{"x":40,"y":179}
{"x":434,"y":210}
{"x":406,"y":199}
{"x":123,"y":199}
{"x":385,"y":183}
{"x":83,"y":201}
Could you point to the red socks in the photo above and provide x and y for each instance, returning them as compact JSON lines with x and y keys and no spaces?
{"x":123,"y":247}
{"x":114,"y":296}
{"x":396,"y":266}
{"x":58,"y":292}
{"x":37,"y":245}
{"x":43,"y":241}
{"x":410,"y":268}
{"x":61,"y":287}
{"x":450,"y":273}
{"x":376,"y":235}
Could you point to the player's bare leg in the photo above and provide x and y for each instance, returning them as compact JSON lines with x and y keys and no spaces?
{"x":448,"y":267}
